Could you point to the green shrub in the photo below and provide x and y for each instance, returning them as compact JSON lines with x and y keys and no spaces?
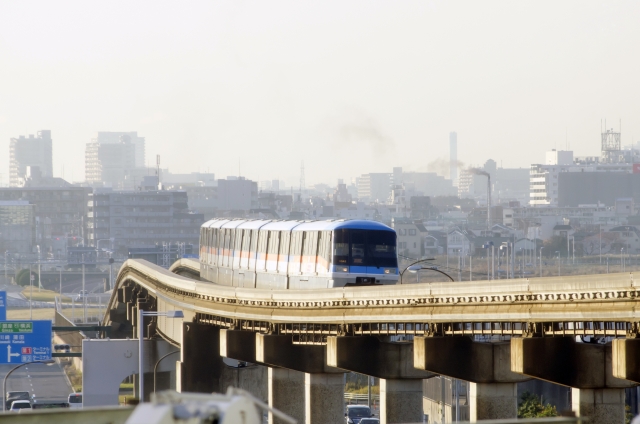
{"x":533,"y":407}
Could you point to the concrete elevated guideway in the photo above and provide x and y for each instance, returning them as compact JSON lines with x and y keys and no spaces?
{"x":308,"y":338}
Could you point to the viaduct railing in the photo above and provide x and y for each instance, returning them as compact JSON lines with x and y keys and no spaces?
{"x":601,"y":305}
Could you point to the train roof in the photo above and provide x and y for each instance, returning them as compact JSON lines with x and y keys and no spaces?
{"x":328,"y":225}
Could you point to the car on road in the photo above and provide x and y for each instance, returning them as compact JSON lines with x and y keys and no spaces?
{"x":16,"y":395}
{"x":82,"y":294}
{"x":355,"y":413}
{"x":75,"y":400}
{"x":369,"y":421}
{"x":17,"y":405}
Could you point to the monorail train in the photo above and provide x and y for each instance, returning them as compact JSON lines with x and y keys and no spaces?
{"x":297,"y":254}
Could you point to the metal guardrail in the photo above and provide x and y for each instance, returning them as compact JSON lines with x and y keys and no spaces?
{"x":358,"y":396}
{"x":554,"y":420}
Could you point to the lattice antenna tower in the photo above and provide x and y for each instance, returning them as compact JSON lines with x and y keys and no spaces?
{"x":302,"y":182}
{"x":610,"y":143}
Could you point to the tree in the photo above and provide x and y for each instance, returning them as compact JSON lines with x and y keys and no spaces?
{"x":532,"y":407}
{"x":22,"y":278}
{"x":553,"y":245}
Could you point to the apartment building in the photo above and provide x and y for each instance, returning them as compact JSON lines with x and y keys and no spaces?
{"x":17,"y":226}
{"x":141,"y":219}
{"x":33,"y":152}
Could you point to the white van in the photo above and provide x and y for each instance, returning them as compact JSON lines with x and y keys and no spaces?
{"x":75,"y":400}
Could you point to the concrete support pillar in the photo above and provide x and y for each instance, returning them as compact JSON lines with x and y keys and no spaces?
{"x":286,"y":392}
{"x":200,"y":365}
{"x":323,"y":394}
{"x":400,"y":401}
{"x":400,"y":382}
{"x":602,"y":406}
{"x":324,"y":398}
{"x":493,"y":401}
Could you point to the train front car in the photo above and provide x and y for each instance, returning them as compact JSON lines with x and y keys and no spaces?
{"x":364,"y":253}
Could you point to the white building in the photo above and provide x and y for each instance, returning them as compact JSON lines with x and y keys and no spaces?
{"x":237,"y":195}
{"x":374,"y":187}
{"x":30,"y":152}
{"x":544,"y":177}
{"x":114,"y":137}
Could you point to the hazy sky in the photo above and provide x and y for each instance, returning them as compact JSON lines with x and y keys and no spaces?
{"x":349,"y":87}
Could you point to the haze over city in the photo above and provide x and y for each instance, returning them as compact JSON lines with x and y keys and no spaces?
{"x":358,"y":212}
{"x":348,"y":87}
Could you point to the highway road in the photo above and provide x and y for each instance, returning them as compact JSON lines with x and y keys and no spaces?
{"x":44,"y":381}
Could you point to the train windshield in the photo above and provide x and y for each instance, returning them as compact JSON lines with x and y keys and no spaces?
{"x":365,"y":248}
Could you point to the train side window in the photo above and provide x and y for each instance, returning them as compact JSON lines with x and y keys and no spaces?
{"x":273,"y":243}
{"x":253,"y":249}
{"x":272,"y":250}
{"x":207,"y":250}
{"x":237,"y":248}
{"x":309,"y":251}
{"x":224,"y":235}
{"x":244,"y":254}
{"x":262,"y":250}
{"x":283,"y":257}
{"x":295,"y":252}
{"x":323,"y":251}
{"x":214,"y":245}
{"x":341,"y":247}
{"x":358,"y":243}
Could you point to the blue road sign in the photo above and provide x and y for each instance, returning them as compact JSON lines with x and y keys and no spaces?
{"x":3,"y":305}
{"x":25,"y":341}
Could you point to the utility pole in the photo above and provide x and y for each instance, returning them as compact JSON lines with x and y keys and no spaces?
{"x":84,"y":295}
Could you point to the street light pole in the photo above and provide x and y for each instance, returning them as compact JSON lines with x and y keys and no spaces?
{"x":4,"y":382}
{"x":155,"y":367}
{"x":30,"y":293}
{"x":84,"y":295}
{"x":541,"y":260}
{"x":141,"y":315}
{"x":600,"y":234}
{"x":39,"y":280}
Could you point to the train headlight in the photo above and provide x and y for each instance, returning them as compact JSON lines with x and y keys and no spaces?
{"x":341,"y":268}
{"x":389,"y":270}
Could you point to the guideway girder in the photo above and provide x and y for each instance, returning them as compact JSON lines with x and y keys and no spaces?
{"x":200,"y":365}
{"x":280,"y":351}
{"x":462,"y":358}
{"x":561,"y":360}
{"x":238,"y":345}
{"x":585,"y":367}
{"x":369,"y":356}
{"x":493,"y":391}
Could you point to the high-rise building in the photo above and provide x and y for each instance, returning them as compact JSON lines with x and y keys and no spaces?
{"x":237,"y":195}
{"x":115,"y":137}
{"x":34,"y":152}
{"x":453,"y":158}
{"x":115,"y":159}
{"x":374,"y":187}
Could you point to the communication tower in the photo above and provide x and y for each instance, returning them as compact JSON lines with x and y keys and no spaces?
{"x":302,"y":183}
{"x":611,"y":146}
